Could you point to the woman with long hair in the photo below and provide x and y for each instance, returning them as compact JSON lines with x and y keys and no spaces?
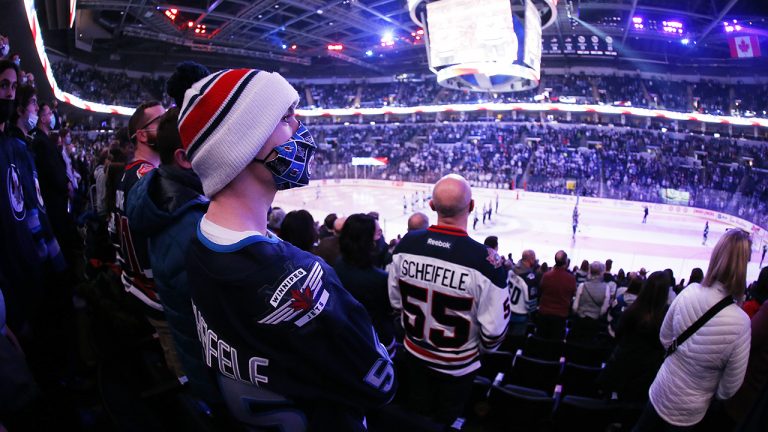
{"x":712,"y":362}
{"x":638,"y":353}
{"x":357,"y":273}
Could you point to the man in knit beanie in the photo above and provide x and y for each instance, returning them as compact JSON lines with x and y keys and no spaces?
{"x":274,"y":321}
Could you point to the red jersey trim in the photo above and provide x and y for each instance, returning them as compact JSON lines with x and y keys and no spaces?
{"x":421,"y":351}
{"x":444,"y":229}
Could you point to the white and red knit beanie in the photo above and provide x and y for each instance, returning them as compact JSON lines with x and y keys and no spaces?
{"x":227,"y":117}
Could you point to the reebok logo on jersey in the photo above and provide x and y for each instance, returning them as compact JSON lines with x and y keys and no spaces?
{"x":439,"y":243}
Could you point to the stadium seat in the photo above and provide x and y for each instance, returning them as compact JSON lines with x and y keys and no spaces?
{"x":578,"y":380}
{"x":513,"y":343}
{"x":394,"y":417}
{"x":586,"y":354}
{"x":583,"y":329}
{"x":595,"y":415}
{"x":494,"y":362}
{"x":534,"y":373}
{"x":544,"y":349}
{"x":518,"y":408}
{"x":477,"y":405}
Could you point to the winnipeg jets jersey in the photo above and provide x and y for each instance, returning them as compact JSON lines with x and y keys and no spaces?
{"x":452,"y":294}
{"x":273,"y":317}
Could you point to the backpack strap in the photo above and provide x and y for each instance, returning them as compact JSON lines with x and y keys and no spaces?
{"x":722,"y":304}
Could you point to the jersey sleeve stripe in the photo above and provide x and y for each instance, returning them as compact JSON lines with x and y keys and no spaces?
{"x":421,"y":351}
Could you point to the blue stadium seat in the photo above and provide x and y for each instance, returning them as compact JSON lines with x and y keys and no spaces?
{"x":589,"y":414}
{"x":518,"y":408}
{"x":578,"y":380}
{"x":544,"y":349}
{"x":494,"y":362}
{"x":586,"y":354}
{"x":533,"y":373}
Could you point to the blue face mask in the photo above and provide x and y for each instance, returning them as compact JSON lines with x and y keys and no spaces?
{"x":290,"y":165}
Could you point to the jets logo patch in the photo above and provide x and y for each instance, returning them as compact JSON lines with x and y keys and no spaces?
{"x":15,"y":193}
{"x":306,"y":301}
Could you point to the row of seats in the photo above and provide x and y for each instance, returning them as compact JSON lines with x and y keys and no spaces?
{"x":549,"y":376}
{"x":508,"y":408}
{"x":587,"y":354}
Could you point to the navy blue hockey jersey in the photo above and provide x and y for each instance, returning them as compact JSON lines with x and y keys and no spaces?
{"x":453,"y":295}
{"x":277,"y":318}
{"x":28,"y":250}
{"x":132,"y":248}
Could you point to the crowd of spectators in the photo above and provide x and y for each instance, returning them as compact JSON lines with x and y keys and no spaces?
{"x":705,"y":96}
{"x":113,"y":88}
{"x":720,"y":174}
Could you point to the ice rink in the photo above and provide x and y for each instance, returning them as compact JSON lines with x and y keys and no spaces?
{"x":671,"y":238}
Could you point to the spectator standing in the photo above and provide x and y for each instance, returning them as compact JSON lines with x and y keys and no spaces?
{"x":591,"y":302}
{"x":712,"y":362}
{"x":165,"y":207}
{"x":526,"y":269}
{"x":357,"y":273}
{"x":758,"y":293}
{"x":328,"y":248}
{"x":441,"y":279}
{"x":558,"y":286}
{"x":638,"y":353}
{"x":267,"y":309}
{"x":299,"y":229}
{"x":418,"y":221}
{"x":132,"y":247}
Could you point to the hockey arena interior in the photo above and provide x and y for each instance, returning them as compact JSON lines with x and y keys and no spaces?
{"x":384,"y":215}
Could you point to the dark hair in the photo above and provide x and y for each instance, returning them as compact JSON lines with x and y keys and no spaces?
{"x":168,"y":138}
{"x":635,"y":285}
{"x":697,"y":275}
{"x":491,"y":242}
{"x":187,"y":73}
{"x":24,"y":94}
{"x":298,"y":229}
{"x":138,"y":118}
{"x":356,"y":240}
{"x":651,"y":304}
{"x":759,"y":290}
{"x":670,"y":274}
{"x":7,"y":64}
{"x":329,"y":220}
{"x":584,"y":266}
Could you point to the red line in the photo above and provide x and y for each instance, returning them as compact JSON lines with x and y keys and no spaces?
{"x":425,"y":353}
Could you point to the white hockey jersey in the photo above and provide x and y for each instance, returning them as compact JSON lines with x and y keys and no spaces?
{"x":452,"y":294}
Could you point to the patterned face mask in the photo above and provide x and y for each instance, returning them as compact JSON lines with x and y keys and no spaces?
{"x":289,"y":162}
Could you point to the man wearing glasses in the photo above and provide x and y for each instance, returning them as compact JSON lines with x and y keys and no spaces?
{"x":131,"y":248}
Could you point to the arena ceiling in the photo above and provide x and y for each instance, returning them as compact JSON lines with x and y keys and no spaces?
{"x":293,"y":36}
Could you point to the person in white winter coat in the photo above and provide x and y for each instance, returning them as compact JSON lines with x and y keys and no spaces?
{"x":712,"y":362}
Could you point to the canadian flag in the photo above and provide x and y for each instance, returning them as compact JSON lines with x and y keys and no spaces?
{"x":744,"y":46}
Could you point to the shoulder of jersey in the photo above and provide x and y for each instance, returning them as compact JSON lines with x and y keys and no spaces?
{"x":144,"y":169}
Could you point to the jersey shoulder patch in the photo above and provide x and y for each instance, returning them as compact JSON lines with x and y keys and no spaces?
{"x":144,"y":169}
{"x":494,"y":258}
